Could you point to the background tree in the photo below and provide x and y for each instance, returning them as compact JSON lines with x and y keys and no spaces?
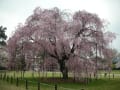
{"x":3,"y":36}
{"x":3,"y":51}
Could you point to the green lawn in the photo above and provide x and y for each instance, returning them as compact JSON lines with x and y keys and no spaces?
{"x":6,"y":86}
{"x":46,"y":84}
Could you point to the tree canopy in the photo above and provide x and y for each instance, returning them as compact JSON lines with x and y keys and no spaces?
{"x":72,"y":41}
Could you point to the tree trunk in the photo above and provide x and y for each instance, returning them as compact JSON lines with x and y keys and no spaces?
{"x":63,"y":69}
{"x":65,"y":73}
{"x":23,"y":73}
{"x":39,"y":74}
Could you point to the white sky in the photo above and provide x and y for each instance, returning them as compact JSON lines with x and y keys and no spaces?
{"x":13,"y":12}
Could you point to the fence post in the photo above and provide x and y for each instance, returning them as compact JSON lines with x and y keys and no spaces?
{"x":14,"y":75}
{"x":90,"y":77}
{"x":38,"y":85}
{"x":0,"y":76}
{"x":7,"y":78}
{"x":17,"y":82}
{"x":4,"y":76}
{"x":109,"y":75}
{"x":55,"y":86}
{"x":26,"y":84}
{"x":11,"y":80}
{"x":113,"y":75}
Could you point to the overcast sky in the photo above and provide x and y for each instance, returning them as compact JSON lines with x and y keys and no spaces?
{"x":13,"y":12}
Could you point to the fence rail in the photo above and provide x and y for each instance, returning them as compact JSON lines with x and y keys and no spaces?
{"x":29,"y":84}
{"x":17,"y":81}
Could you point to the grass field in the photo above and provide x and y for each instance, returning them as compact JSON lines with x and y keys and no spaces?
{"x":7,"y":86}
{"x":100,"y":84}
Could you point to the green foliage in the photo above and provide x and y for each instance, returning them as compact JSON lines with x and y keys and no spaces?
{"x":3,"y":36}
{"x":3,"y":53}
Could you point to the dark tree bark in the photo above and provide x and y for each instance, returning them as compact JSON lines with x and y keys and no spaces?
{"x":63,"y":69}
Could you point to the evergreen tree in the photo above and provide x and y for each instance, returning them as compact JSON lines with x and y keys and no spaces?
{"x":3,"y":36}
